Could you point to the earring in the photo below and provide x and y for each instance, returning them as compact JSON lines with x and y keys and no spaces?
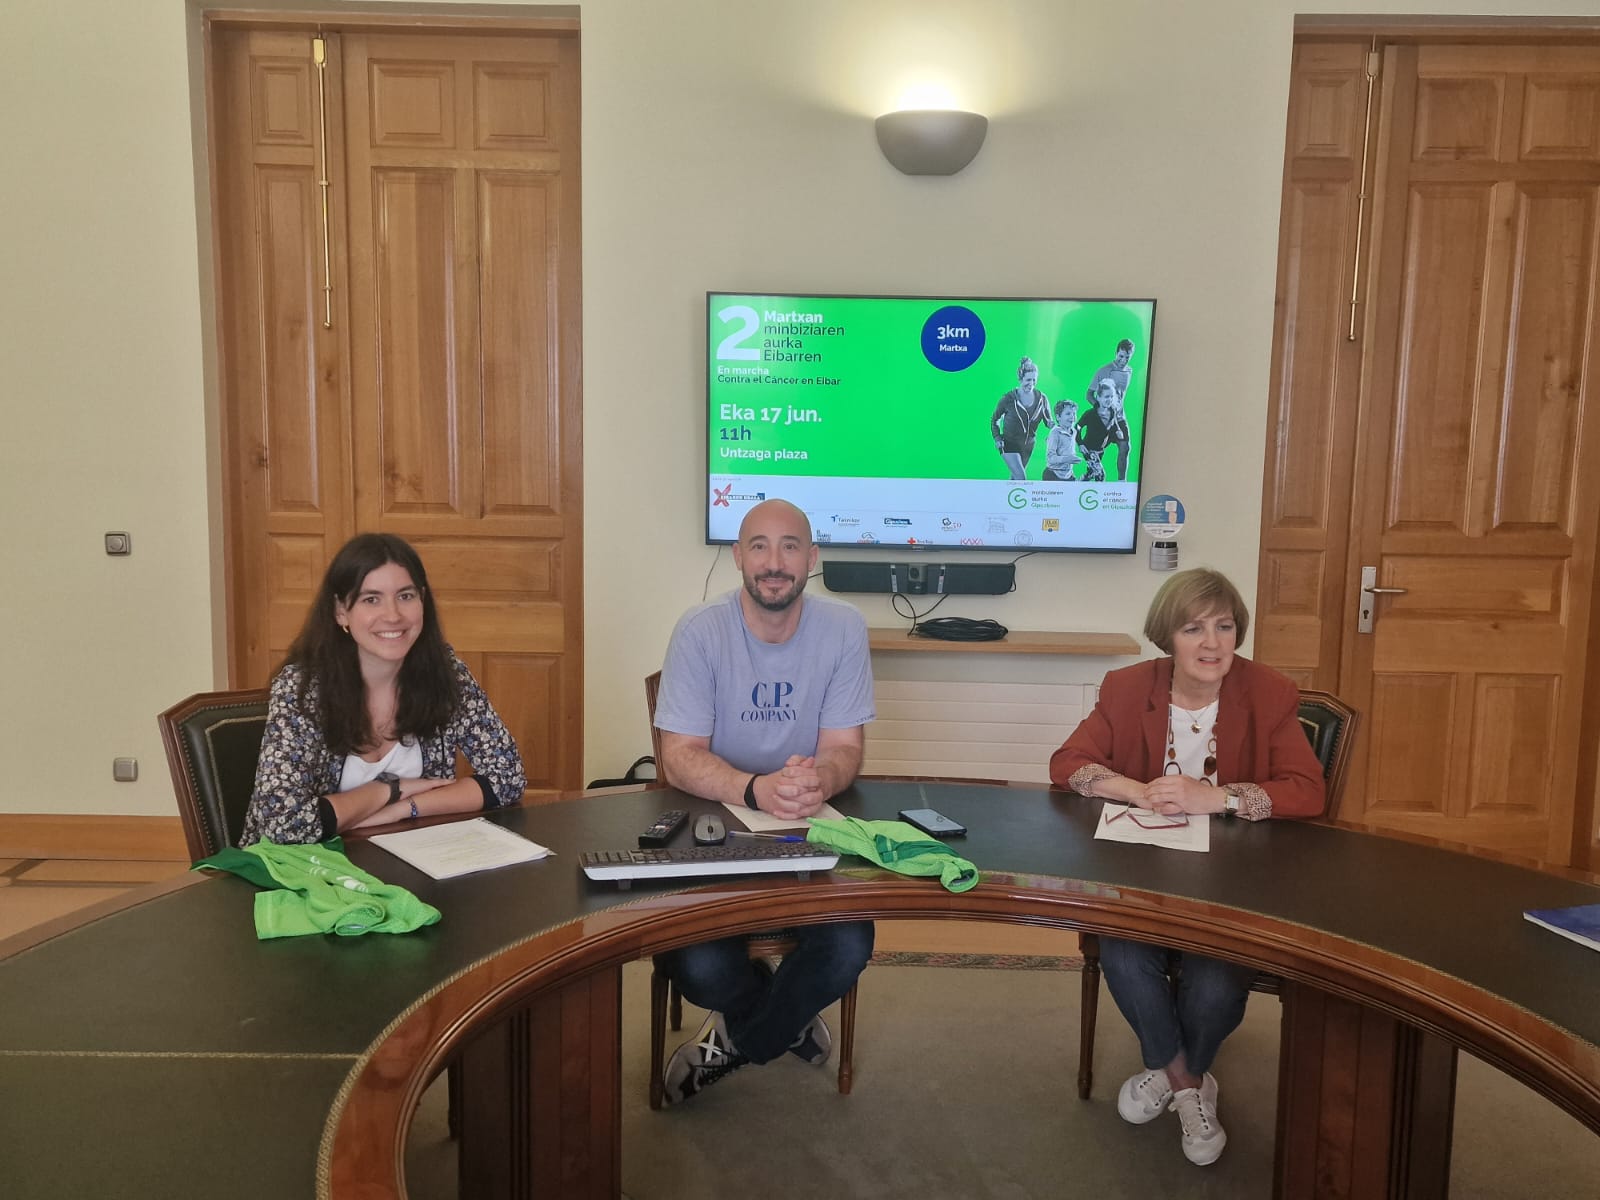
{"x":346,"y":629}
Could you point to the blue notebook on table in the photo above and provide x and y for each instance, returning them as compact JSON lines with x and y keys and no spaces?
{"x":1581,"y":924}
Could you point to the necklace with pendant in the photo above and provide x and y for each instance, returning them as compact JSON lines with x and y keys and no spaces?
{"x":1170,"y":766}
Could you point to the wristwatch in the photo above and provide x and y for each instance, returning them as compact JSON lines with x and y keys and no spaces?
{"x":393,"y":781}
{"x":1230,"y":804}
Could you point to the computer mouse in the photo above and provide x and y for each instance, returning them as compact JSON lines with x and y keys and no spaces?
{"x":709,"y":830}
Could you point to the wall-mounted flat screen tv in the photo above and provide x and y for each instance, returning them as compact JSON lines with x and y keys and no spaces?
{"x":930,"y":422}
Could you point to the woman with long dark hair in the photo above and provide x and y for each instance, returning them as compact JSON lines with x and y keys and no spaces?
{"x":370,"y":709}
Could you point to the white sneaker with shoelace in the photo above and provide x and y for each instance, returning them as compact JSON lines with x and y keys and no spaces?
{"x":1144,"y":1097}
{"x":1203,"y":1138}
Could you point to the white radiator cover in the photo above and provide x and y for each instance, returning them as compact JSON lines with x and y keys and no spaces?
{"x":968,"y":730}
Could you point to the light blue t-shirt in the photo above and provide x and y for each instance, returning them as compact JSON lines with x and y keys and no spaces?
{"x":759,"y":702}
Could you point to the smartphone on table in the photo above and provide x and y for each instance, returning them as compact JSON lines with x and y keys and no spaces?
{"x":932,"y":822}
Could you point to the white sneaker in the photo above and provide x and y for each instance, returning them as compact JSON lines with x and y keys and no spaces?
{"x":1144,"y":1097}
{"x":1203,"y":1138}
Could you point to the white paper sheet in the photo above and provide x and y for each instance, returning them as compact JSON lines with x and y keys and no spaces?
{"x":1196,"y":835}
{"x":757,"y":821}
{"x":459,"y":848}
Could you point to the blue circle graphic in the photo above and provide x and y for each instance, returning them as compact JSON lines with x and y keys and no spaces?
{"x":952,"y":339}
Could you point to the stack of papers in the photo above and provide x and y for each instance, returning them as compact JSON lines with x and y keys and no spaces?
{"x":460,"y":848}
{"x":758,"y":821}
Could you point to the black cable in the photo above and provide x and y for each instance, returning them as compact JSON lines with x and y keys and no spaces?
{"x":913,"y":615}
{"x":946,"y":629}
{"x":960,"y":629}
{"x":706,"y":587}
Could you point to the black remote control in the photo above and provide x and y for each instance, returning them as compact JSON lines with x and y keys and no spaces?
{"x":665,"y":826}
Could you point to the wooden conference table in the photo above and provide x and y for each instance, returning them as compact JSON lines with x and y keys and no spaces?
{"x":159,"y":1050}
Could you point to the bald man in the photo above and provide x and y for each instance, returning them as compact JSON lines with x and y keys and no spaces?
{"x":764,"y":694}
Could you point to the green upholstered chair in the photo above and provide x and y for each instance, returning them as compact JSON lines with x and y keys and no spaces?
{"x":213,"y":740}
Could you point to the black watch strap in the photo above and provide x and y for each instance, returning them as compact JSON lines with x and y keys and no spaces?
{"x":750,"y":794}
{"x":394,"y":784}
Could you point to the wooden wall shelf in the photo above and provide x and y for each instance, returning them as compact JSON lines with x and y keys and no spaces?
{"x":1018,"y":641}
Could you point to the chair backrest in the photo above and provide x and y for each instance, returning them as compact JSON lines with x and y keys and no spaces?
{"x":652,"y":688}
{"x":1330,"y":725}
{"x":213,"y":740}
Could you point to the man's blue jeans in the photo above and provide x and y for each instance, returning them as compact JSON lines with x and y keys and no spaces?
{"x":1208,"y":1007}
{"x":764,"y":1015}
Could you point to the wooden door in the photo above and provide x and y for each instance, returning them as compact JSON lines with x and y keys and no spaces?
{"x":285,"y":382}
{"x":443,"y":403}
{"x":1449,"y":435}
{"x":1316,"y":365}
{"x":1477,"y":487}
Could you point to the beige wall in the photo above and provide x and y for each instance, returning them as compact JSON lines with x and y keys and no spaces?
{"x":1134,"y":149}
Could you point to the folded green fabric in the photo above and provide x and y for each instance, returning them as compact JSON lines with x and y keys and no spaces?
{"x":316,"y":889}
{"x":897,"y":846}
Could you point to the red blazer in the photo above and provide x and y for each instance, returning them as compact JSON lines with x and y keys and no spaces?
{"x":1259,"y":738}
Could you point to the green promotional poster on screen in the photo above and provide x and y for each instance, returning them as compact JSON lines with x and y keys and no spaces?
{"x":909,"y":410}
{"x":843,"y":386}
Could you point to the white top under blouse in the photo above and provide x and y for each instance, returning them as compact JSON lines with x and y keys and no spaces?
{"x":403,"y":760}
{"x":1191,"y":747}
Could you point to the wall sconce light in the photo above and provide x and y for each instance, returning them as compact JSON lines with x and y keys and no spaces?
{"x":931,"y":141}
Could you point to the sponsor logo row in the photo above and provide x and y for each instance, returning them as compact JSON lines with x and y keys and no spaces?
{"x":999,"y":537}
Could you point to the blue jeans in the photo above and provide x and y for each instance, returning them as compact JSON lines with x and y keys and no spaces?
{"x":765,"y":1014}
{"x":1208,"y":1007}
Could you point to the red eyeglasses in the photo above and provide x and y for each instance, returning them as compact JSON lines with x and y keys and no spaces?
{"x":1145,"y":819}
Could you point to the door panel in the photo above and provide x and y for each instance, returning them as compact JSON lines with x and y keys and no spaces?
{"x":1554,"y":233}
{"x":443,"y":403}
{"x":463,"y":246}
{"x":1437,"y":414}
{"x":1310,"y":454}
{"x":1477,"y":463}
{"x":282,"y":368}
{"x":522,"y":469}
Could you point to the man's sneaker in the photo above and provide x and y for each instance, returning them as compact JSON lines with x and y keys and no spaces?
{"x":701,"y":1061}
{"x":1203,"y":1138}
{"x":814,"y":1044}
{"x":1144,"y":1097}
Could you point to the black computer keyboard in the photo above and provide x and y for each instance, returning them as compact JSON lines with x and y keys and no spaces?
{"x":742,"y":858}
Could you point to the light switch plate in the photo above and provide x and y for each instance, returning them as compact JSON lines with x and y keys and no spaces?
{"x":125,"y":770}
{"x":119,"y":544}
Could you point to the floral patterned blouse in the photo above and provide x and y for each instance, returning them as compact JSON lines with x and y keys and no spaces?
{"x":296,"y":766}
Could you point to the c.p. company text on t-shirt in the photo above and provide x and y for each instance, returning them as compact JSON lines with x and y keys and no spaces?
{"x":761,"y":702}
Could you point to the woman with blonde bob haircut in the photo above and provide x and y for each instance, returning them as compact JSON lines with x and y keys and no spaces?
{"x":1202,"y":732}
{"x":1187,"y":594}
